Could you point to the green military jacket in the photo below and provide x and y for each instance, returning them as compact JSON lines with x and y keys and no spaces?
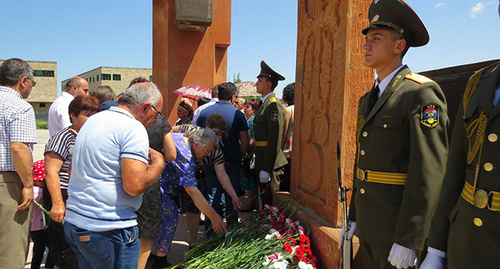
{"x":404,"y":133}
{"x":471,"y":235}
{"x":268,"y":125}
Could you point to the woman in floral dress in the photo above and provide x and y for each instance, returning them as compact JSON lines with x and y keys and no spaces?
{"x":181,"y":174}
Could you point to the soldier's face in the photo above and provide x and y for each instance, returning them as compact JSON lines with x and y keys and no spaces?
{"x":380,"y":48}
{"x":263,"y":86}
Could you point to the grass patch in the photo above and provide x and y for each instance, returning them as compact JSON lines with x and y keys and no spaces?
{"x":42,"y":124}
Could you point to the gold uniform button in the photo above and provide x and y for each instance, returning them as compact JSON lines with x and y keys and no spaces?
{"x":385,"y":125}
{"x":365,"y":134}
{"x":478,"y":222}
{"x":362,"y":152}
{"x":362,"y":191}
{"x":488,"y":167}
{"x":492,"y":137}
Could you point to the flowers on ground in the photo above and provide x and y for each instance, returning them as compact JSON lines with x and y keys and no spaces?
{"x":270,"y":239}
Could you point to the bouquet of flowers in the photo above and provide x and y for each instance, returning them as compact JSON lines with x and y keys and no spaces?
{"x":270,"y":239}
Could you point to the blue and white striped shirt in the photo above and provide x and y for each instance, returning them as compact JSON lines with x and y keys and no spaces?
{"x":17,"y":124}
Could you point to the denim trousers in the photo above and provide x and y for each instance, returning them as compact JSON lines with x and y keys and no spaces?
{"x":118,"y":249}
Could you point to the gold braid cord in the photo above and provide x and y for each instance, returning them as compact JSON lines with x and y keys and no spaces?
{"x":479,"y":124}
{"x":471,"y":86}
{"x":478,"y":127}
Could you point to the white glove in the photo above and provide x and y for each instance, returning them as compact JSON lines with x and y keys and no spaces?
{"x":402,"y":257}
{"x":435,"y":259}
{"x":264,"y":176}
{"x":350,"y":233}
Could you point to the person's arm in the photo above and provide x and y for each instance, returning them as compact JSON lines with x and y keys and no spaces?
{"x":175,"y":129}
{"x":426,"y":167}
{"x":138,"y":176}
{"x":244,"y":142}
{"x":21,"y":156}
{"x":225,"y":181}
{"x":288,"y":117}
{"x":201,"y":203}
{"x":169,"y":150}
{"x":53,"y":164}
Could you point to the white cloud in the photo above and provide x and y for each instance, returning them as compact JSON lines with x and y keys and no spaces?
{"x":440,"y":4}
{"x":476,"y":10}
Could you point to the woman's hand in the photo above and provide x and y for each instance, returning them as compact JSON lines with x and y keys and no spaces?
{"x":218,"y":224}
{"x":57,"y":212}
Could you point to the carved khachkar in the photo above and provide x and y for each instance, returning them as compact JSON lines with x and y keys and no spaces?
{"x":329,"y":80}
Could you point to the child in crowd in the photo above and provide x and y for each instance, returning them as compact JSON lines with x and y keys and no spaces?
{"x":38,"y":233}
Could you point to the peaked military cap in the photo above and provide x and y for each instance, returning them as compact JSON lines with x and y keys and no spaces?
{"x":397,"y":15}
{"x":266,"y":71}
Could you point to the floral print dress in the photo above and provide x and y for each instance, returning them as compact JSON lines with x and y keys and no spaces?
{"x":176,"y":174}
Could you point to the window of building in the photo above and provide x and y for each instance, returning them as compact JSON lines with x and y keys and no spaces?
{"x":117,"y":77}
{"x":105,"y":76}
{"x":43,"y":73}
{"x":97,"y":77}
{"x":93,"y":79}
{"x":42,"y":104}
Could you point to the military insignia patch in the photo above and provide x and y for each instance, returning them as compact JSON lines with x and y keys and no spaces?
{"x":429,"y":116}
{"x":274,"y":116}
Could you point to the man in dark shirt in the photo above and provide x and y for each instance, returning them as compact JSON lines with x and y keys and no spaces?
{"x":234,"y":145}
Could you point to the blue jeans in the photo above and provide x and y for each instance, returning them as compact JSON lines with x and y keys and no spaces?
{"x":117,"y":249}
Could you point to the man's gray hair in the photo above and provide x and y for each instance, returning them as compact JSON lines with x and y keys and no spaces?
{"x":140,"y":93}
{"x":12,"y":70}
{"x":204,"y":136}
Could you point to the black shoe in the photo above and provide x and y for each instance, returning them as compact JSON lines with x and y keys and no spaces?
{"x":160,"y":263}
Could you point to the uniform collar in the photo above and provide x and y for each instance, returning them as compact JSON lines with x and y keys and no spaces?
{"x":382,"y":85}
{"x":265,"y":97}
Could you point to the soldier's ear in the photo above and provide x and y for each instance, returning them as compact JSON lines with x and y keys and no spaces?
{"x":400,"y":46}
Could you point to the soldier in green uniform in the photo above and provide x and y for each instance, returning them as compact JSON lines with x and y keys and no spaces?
{"x":465,"y":229}
{"x":268,"y":127}
{"x":401,"y":143}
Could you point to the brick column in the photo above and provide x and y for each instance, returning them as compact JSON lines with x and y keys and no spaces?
{"x":330,"y":78}
{"x":184,"y":57}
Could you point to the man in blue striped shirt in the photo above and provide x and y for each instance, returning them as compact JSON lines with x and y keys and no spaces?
{"x":17,"y":136}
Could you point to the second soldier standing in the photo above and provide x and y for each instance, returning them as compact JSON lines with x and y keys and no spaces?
{"x":268,"y":127}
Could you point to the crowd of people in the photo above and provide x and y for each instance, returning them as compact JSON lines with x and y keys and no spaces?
{"x":116,"y":175}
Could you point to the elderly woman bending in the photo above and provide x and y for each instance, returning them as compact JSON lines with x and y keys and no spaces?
{"x":180,"y":173}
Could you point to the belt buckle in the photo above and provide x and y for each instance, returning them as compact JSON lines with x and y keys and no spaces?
{"x":481,"y":198}
{"x":490,"y":200}
{"x":363,"y":176}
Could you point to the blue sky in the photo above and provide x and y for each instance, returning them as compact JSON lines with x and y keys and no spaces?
{"x":82,"y":35}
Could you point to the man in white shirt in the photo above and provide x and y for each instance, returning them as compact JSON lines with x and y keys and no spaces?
{"x":215,"y":99}
{"x":58,"y":111}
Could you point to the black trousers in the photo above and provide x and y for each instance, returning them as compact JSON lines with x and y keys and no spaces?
{"x":61,"y":252}
{"x":40,"y":241}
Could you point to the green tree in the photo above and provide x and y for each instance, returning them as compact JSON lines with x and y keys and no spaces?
{"x":236,"y":78}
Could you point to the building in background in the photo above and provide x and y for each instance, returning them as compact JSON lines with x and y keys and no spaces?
{"x":117,"y":78}
{"x":45,"y":91}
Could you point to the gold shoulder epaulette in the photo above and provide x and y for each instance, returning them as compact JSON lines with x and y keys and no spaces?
{"x":418,"y":78}
{"x":273,"y":99}
{"x":473,"y":82}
